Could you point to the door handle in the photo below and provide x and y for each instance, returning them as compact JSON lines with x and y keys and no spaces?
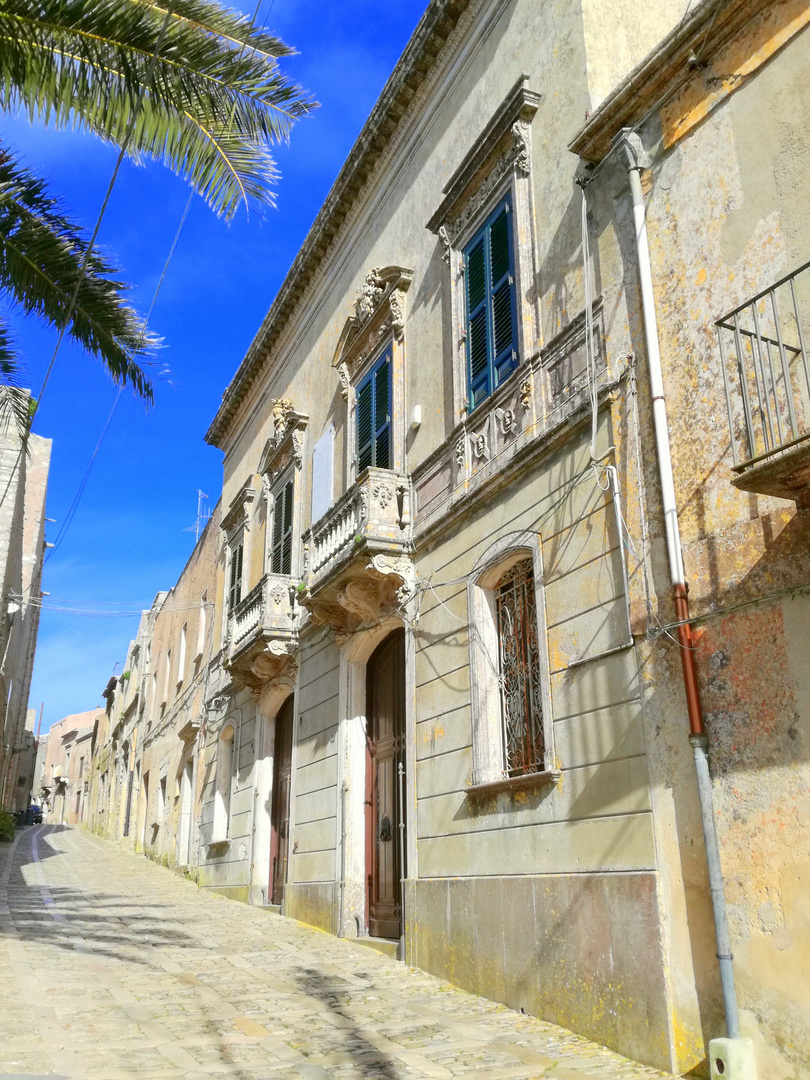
{"x":385,"y":829}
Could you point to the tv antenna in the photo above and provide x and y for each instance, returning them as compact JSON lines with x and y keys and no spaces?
{"x":203,"y":514}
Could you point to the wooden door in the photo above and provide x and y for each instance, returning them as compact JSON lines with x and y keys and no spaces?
{"x":280,"y":803}
{"x":385,"y":741}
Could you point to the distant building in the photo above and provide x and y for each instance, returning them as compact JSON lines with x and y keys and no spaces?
{"x":148,"y":768}
{"x":23,"y":486}
{"x":65,"y":780}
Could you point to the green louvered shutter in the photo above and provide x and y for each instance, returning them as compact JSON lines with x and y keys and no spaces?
{"x":365,"y":424}
{"x":235,"y":583}
{"x":477,"y":348}
{"x":281,"y":555}
{"x":382,"y":413}
{"x":502,"y":285}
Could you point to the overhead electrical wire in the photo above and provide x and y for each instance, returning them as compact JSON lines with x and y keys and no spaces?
{"x":94,"y":236}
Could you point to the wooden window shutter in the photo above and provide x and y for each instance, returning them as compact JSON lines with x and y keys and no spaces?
{"x":281,"y":554}
{"x":382,"y":413}
{"x":491,"y":311}
{"x":373,"y":411}
{"x":365,"y":424}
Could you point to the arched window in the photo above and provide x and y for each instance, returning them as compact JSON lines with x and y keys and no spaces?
{"x":511,"y":701}
{"x":519,"y":671}
{"x":224,"y":785}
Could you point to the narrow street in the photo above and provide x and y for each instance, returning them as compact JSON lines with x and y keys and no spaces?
{"x":113,"y":967}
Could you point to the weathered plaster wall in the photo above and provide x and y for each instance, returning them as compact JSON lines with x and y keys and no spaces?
{"x":727,"y":216}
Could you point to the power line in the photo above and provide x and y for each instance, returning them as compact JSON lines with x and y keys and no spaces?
{"x":89,"y":249}
{"x":80,"y":491}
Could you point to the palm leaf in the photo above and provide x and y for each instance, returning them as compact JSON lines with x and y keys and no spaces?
{"x":42,"y":253}
{"x":210,"y":103}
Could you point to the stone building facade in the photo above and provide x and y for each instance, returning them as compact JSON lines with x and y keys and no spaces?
{"x":536,"y":382}
{"x":24,"y":479}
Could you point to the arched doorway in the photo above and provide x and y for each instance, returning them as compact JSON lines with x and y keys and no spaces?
{"x":385,"y":752}
{"x":280,"y":802}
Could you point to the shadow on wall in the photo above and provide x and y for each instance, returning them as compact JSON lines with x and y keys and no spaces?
{"x":367,"y":1060}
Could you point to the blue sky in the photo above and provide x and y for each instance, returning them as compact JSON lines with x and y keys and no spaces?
{"x":129,"y":537}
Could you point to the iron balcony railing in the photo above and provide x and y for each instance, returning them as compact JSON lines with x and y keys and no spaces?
{"x":766,"y":375}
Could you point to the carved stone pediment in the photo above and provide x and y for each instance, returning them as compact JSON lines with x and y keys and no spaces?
{"x":379,"y":311}
{"x":238,"y":515}
{"x":503,"y":147}
{"x":286,"y":444}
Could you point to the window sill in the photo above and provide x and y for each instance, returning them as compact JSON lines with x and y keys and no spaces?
{"x":222,"y":843}
{"x":514,"y":783}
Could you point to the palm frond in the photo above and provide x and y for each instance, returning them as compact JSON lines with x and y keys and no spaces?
{"x":89,"y":64}
{"x":41,"y":257}
{"x":15,"y":410}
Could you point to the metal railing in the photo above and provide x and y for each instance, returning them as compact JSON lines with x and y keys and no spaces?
{"x":766,"y":375}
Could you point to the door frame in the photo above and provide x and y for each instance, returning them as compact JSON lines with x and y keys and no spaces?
{"x":351,"y":865}
{"x":270,"y":702}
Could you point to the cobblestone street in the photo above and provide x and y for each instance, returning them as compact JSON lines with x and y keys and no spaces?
{"x":114,"y":967}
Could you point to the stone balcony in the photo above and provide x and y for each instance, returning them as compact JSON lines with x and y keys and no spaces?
{"x":359,"y":567}
{"x":263,"y":631}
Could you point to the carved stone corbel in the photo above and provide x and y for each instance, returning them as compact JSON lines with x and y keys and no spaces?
{"x":345,"y":381}
{"x":278,"y":657}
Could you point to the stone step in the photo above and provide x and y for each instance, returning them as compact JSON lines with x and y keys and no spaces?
{"x":387,"y":946}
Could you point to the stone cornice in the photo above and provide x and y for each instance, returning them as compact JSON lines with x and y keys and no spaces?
{"x":420,"y":53}
{"x":663,"y":71}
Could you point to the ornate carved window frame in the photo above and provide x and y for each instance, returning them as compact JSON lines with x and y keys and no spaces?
{"x":281,"y":460}
{"x":488,"y":765}
{"x":379,"y":318}
{"x":235,"y":529}
{"x":498,"y":164}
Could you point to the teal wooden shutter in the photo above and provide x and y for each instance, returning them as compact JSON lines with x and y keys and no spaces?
{"x":382,"y":412}
{"x":365,"y":424}
{"x":477,"y":346}
{"x":502,"y":285}
{"x":491,"y":310}
{"x":374,"y":416}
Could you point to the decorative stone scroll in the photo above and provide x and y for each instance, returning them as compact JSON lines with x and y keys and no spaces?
{"x":379,"y":309}
{"x":240,"y":511}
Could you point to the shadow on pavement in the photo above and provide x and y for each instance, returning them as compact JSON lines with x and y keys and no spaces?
{"x":57,"y":916}
{"x":368,"y":1060}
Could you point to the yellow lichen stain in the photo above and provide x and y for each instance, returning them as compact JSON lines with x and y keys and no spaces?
{"x":731,"y":66}
{"x":689,"y":1045}
{"x":701,"y":276}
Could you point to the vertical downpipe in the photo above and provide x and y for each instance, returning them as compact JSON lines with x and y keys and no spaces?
{"x":631,"y":152}
{"x":401,"y":779}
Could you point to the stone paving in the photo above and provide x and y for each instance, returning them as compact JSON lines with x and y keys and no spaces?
{"x":112,"y":967}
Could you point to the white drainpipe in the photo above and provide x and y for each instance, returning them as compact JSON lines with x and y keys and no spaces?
{"x":733,"y":1057}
